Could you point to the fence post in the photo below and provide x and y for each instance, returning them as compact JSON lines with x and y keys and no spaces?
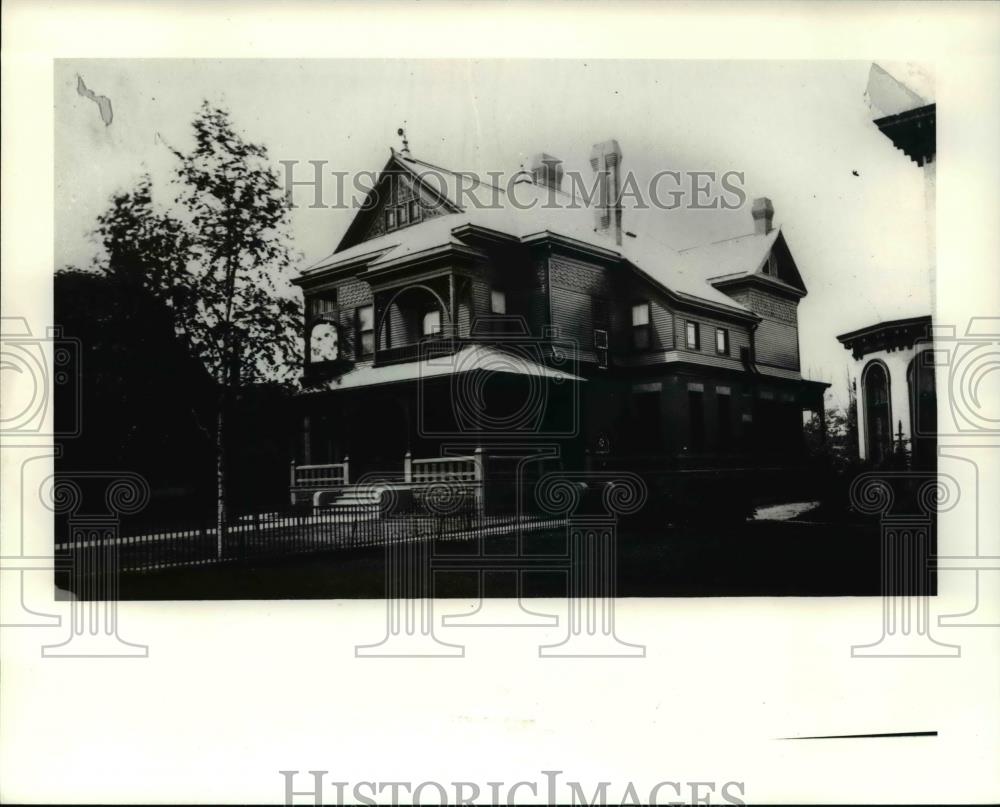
{"x":479,"y":470}
{"x":408,"y":467}
{"x":347,"y":469}
{"x":291,"y":483}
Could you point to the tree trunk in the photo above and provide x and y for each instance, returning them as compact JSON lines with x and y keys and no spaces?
{"x":220,"y":475}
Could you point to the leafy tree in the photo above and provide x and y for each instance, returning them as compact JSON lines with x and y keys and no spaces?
{"x":218,"y":259}
{"x":837,"y":440}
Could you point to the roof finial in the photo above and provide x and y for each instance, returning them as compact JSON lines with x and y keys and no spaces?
{"x":406,"y":143}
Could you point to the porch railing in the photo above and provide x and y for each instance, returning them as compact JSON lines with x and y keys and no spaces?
{"x":444,"y":469}
{"x":307,"y":479}
{"x":423,"y":349}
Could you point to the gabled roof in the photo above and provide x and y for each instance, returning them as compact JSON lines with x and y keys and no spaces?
{"x":746,"y":256}
{"x":470,"y":205}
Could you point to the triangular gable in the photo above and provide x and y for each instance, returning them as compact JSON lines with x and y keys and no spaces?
{"x":397,"y":184}
{"x":781,"y":264}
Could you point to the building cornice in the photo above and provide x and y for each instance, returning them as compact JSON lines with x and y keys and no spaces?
{"x":913,"y":132}
{"x":897,"y":334}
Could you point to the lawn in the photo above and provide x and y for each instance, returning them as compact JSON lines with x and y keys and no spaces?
{"x":781,"y":558}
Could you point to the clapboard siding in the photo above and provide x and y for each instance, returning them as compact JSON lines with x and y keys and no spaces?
{"x":777,"y":339}
{"x":778,"y":344}
{"x":739,"y":337}
{"x":573,"y":284}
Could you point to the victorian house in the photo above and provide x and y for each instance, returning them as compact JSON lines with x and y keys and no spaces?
{"x":458,"y":329}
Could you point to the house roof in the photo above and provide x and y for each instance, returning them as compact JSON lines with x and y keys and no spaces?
{"x":523,"y":215}
{"x":468,"y":359}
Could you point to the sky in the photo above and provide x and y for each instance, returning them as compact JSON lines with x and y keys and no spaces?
{"x":852,"y":207}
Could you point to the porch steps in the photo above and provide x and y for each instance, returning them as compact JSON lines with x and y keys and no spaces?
{"x":349,"y":497}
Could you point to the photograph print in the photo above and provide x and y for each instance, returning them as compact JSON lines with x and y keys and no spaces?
{"x":493,"y":329}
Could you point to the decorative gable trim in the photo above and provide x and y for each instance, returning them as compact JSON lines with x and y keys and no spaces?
{"x":369,"y":218}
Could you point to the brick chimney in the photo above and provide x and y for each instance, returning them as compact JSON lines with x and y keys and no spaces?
{"x":547,"y":171}
{"x":763,"y":215}
{"x":606,"y":159}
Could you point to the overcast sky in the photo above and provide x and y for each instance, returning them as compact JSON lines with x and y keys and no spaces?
{"x":797,"y":130}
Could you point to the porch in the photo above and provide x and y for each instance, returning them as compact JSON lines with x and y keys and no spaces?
{"x":443,"y":482}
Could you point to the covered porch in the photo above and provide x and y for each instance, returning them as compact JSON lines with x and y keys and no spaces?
{"x":418,"y":424}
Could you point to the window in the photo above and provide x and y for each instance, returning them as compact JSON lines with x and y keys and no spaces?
{"x":724,"y":412}
{"x":878,"y":417}
{"x":323,"y":303}
{"x":366,"y":329}
{"x":696,"y":414}
{"x":401,"y":214}
{"x":323,"y":342}
{"x":693,"y":336}
{"x":640,"y":326}
{"x":498,"y":302}
{"x":432,"y":323}
{"x":601,"y":347}
{"x":722,"y":341}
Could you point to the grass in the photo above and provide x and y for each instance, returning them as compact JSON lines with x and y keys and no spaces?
{"x":754,"y":559}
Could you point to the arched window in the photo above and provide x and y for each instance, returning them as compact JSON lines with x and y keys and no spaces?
{"x":323,"y":342}
{"x":878,"y":414}
{"x":923,"y":408}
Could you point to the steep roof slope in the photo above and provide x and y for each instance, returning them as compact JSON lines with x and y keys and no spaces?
{"x":526,"y":210}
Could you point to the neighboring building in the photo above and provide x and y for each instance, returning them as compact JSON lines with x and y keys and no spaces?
{"x":437,"y":324}
{"x":897,"y":410}
{"x":894,"y":371}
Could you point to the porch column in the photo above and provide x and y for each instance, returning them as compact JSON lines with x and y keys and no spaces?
{"x":306,"y":440}
{"x":452,"y":314}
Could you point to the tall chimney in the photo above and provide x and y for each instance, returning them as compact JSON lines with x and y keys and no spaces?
{"x":547,"y":171}
{"x":763,"y":215}
{"x":606,"y":159}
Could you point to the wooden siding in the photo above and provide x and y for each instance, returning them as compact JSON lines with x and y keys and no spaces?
{"x":573,"y":284}
{"x":739,"y":337}
{"x":776,"y":342}
{"x":479,"y":298}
